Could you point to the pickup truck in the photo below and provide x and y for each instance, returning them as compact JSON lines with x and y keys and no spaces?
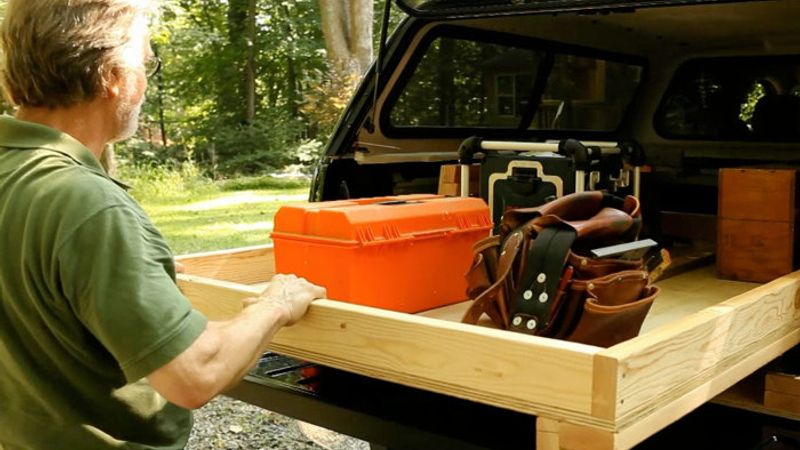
{"x":699,"y":85}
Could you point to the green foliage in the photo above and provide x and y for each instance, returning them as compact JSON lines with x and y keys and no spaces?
{"x":445,"y":89}
{"x":150,"y":182}
{"x":263,"y":146}
{"x":196,"y":106}
{"x":325,"y":101}
{"x":199,"y":98}
{"x":749,"y":106}
{"x":262,"y":182}
{"x":145,"y":153}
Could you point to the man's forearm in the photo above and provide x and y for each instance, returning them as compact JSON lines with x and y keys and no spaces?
{"x":220,"y":356}
{"x":243,"y":340}
{"x":226,"y":350}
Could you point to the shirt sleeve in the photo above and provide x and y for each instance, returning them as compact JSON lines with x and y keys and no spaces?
{"x":117,"y":272}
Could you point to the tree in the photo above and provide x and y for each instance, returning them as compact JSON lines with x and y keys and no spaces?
{"x":245,"y":82}
{"x":347,"y":28}
{"x":242,"y":36}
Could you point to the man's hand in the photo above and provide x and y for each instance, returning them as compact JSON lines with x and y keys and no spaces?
{"x":289,"y":295}
{"x":226,"y":350}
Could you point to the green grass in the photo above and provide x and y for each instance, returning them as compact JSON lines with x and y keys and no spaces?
{"x":219,"y":220}
{"x":196,"y":214}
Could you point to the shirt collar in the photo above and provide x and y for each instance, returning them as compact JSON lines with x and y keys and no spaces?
{"x":15,"y":133}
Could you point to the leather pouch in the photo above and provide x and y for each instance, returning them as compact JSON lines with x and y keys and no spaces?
{"x":567,"y":295}
{"x":613,"y":307}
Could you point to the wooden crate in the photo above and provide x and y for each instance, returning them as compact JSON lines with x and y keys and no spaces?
{"x":766,"y":392}
{"x":782,"y":392}
{"x":702,"y":336}
{"x":756,"y":223}
{"x":450,"y":180}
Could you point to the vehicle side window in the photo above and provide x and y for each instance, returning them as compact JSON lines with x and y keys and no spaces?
{"x":754,"y":98}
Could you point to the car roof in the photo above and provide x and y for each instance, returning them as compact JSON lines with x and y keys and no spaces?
{"x":487,"y":8}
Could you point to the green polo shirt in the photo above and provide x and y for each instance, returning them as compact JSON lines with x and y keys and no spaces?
{"x":88,"y":304}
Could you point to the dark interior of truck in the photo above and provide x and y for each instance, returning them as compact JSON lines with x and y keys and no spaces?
{"x":696,"y":87}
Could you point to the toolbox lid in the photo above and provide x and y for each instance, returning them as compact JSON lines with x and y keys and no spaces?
{"x":382,"y":219}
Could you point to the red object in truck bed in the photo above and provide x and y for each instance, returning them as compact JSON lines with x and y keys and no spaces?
{"x":405,"y":253}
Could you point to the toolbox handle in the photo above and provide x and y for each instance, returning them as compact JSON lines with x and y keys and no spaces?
{"x":396,"y":202}
{"x":427,"y":234}
{"x":442,"y":232}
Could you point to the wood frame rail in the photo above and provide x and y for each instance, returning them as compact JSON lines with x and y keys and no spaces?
{"x":614,"y":397}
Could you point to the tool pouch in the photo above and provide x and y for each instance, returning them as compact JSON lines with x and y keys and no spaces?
{"x":535,"y":277}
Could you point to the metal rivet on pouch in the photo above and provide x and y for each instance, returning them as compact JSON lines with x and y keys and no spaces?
{"x":531,"y":324}
{"x":543,"y":297}
{"x":590,"y":286}
{"x":527,"y":295}
{"x":541,"y":278}
{"x":517,"y":321}
{"x":584,"y":262}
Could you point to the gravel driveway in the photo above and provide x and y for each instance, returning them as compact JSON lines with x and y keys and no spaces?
{"x":229,"y":424}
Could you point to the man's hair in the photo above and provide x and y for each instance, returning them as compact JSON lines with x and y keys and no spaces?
{"x":57,"y":53}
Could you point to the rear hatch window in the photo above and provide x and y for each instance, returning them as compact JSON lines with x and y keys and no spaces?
{"x":464,"y":78}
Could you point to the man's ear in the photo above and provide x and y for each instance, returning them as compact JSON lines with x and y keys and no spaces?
{"x":113,"y":82}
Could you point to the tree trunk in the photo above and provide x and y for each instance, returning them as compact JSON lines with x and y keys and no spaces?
{"x":293,"y":93}
{"x":446,"y":74}
{"x":347,"y":29}
{"x":160,"y":100}
{"x":272,"y":90}
{"x":291,"y":80}
{"x":236,"y":74}
{"x":335,"y":30}
{"x":361,"y":15}
{"x":250,"y":67}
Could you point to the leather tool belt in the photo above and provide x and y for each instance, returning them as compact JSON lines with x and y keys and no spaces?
{"x":535,"y":276}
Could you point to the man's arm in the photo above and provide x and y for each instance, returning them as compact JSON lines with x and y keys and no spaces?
{"x":227,"y":350}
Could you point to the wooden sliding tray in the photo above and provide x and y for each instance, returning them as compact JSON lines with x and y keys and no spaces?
{"x":702,"y":336}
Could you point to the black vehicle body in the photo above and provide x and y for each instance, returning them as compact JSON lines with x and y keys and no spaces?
{"x":669,"y":42}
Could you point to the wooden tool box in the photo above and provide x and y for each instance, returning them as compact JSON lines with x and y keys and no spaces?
{"x":450,"y":180}
{"x":757,"y":223}
{"x":782,"y":392}
{"x":767,"y":391}
{"x":702,"y":336}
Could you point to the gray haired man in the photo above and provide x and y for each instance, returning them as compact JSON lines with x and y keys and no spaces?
{"x":98,"y":348}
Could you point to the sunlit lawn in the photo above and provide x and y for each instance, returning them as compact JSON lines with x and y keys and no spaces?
{"x":219,"y":220}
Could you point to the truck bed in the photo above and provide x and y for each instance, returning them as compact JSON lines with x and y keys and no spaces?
{"x":702,"y":336}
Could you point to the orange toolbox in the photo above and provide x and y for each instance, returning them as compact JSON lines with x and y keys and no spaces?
{"x":405,"y":253}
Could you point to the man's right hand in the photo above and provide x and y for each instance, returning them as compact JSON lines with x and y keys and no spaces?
{"x":226,"y":350}
{"x":289,"y":295}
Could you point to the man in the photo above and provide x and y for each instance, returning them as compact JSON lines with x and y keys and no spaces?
{"x":92,"y":326}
